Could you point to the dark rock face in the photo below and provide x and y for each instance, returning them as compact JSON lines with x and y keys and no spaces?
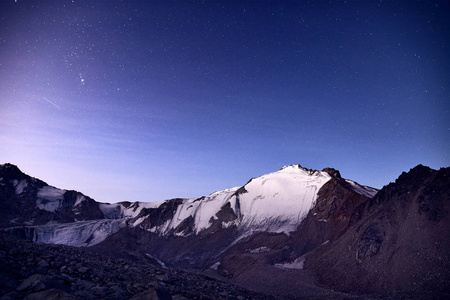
{"x":329,"y":218}
{"x":19,"y":208}
{"x":12,"y":171}
{"x":190,"y":252}
{"x":371,"y":241}
{"x":333,"y":172}
{"x":239,"y":258}
{"x":18,"y":196}
{"x":399,"y":240}
{"x":158,"y":216}
{"x":86,"y":210}
{"x":225,"y":214}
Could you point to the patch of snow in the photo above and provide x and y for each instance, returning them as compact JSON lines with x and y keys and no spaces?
{"x":139,"y":221}
{"x":157,"y":260}
{"x":228,"y":224}
{"x":165,"y":227}
{"x":262,"y":249}
{"x":20,"y":186}
{"x":362,"y":189}
{"x":182,"y":234}
{"x":134,"y":209}
{"x":215,"y":266}
{"x":49,"y":198}
{"x":297,"y":264}
{"x":162,"y":229}
{"x":80,"y":198}
{"x":153,"y":229}
{"x":111,"y":211}
{"x":51,"y":193}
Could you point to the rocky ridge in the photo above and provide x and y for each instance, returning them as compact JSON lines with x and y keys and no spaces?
{"x":399,"y":240}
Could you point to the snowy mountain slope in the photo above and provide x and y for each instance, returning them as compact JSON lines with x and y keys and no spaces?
{"x":274,"y":203}
{"x":362,"y":189}
{"x":277,"y":202}
{"x":25,"y":200}
{"x":200,"y":210}
{"x":49,"y":198}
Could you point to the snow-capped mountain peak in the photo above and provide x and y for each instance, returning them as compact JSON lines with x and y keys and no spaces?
{"x":275,"y":202}
{"x":278,"y":201}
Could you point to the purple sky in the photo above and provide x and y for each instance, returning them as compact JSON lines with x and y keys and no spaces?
{"x":146,"y":101}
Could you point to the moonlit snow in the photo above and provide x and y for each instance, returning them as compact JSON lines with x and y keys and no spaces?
{"x":50,"y":198}
{"x":78,"y":234}
{"x":275,"y":202}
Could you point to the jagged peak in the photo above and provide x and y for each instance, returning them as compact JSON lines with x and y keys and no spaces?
{"x":332,"y":172}
{"x":9,"y":166}
{"x":417,"y":172}
{"x":299,"y":167}
{"x":11,"y":171}
{"x":294,"y":166}
{"x":420,"y":168}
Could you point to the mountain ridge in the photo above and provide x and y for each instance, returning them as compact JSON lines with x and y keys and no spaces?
{"x":52,"y":199}
{"x":291,"y":228}
{"x":399,"y":239}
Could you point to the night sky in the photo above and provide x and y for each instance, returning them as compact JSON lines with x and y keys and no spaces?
{"x":145,"y":101}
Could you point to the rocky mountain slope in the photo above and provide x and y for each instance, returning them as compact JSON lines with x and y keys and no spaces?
{"x":400,"y":239}
{"x":26,"y":200}
{"x":289,"y":234}
{"x":197,"y":233}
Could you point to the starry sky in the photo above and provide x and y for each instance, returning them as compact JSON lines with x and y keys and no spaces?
{"x":146,"y":101}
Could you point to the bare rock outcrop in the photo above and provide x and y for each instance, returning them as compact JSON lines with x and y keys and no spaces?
{"x":399,"y":241}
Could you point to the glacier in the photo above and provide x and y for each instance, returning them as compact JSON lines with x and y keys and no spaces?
{"x":78,"y":234}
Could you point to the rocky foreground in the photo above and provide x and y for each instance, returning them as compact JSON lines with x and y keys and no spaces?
{"x":42,"y":271}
